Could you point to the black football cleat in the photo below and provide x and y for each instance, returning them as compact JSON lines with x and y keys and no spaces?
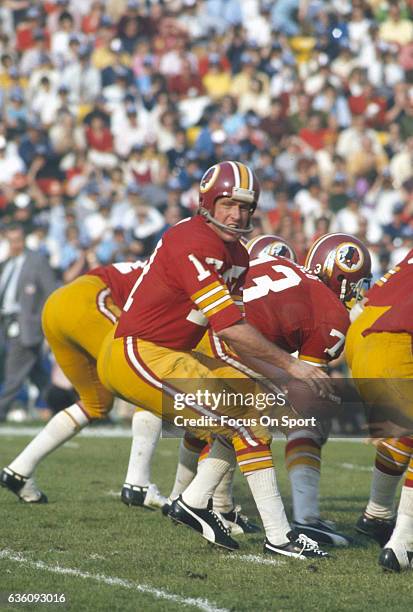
{"x":323,"y":532}
{"x":22,"y":486}
{"x":145,"y":497}
{"x":299,"y":547}
{"x":239,"y":523}
{"x":396,"y":558}
{"x":377,"y":529}
{"x":207,"y":522}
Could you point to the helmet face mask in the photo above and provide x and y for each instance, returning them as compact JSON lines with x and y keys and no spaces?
{"x":343,"y":263}
{"x":270,"y":246}
{"x":232,"y":180}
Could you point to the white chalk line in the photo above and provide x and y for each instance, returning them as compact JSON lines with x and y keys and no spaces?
{"x":112,"y":493}
{"x":200,"y":604}
{"x":355,"y":467}
{"x":257,"y":559}
{"x":117,"y":432}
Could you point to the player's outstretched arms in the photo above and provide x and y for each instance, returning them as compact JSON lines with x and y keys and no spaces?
{"x":254,"y":349}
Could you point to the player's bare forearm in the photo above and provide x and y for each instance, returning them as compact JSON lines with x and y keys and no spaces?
{"x":248,"y":343}
{"x":254,"y":350}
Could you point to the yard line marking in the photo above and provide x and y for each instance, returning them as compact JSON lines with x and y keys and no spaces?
{"x":113,"y":493}
{"x":201,"y":604}
{"x":257,"y":559}
{"x":353,"y":466}
{"x":117,"y":432}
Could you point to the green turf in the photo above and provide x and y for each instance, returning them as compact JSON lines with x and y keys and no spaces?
{"x":86,"y":529}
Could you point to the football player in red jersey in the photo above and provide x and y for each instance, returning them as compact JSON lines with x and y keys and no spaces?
{"x":379,"y":353}
{"x":297,"y":312}
{"x":91,"y":305}
{"x":193,"y":450}
{"x":192,"y":281}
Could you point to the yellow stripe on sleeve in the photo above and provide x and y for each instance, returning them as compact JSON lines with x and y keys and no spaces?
{"x":204,"y":303}
{"x":204,"y":290}
{"x":228,"y":302}
{"x":314,"y":360}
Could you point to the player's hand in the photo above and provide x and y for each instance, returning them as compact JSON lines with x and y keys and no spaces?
{"x":316,"y":378}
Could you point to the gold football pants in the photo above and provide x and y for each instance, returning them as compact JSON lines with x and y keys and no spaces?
{"x":76,"y":318}
{"x":382,"y":366}
{"x":156,"y":377}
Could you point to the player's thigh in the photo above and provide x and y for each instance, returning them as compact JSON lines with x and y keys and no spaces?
{"x":162,"y":380}
{"x":126,"y":378}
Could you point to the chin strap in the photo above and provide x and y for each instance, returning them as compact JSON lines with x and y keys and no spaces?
{"x":232,"y":230}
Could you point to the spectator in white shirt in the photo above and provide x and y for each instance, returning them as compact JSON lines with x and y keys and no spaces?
{"x":308,"y":198}
{"x":348,"y":218}
{"x":59,"y":44}
{"x":82,"y":79}
{"x":127,"y":131}
{"x":10,"y":163}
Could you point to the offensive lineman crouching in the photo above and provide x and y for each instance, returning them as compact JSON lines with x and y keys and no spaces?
{"x":191,"y":282}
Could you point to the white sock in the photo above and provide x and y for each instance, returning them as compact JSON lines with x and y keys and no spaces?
{"x":63,"y":426}
{"x":403,"y":532}
{"x":305,"y":486}
{"x":185,"y":470}
{"x":146,"y":429}
{"x":264,"y":488}
{"x":210,"y":472}
{"x":223,"y":500}
{"x":382,"y":494}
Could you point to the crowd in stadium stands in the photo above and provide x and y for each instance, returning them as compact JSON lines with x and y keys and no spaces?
{"x":111,"y":110}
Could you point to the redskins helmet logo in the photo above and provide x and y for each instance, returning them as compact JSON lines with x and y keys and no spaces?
{"x":209,"y":178}
{"x":277,"y":249}
{"x":349,"y":257}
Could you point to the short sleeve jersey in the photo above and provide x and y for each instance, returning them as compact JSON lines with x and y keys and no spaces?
{"x":193,"y":280}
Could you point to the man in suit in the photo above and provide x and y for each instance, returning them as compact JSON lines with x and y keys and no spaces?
{"x":26,"y":280}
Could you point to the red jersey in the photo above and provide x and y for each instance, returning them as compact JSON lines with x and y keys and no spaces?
{"x":394,"y":290}
{"x":119,"y":278}
{"x":192,"y":280}
{"x":295,"y":310}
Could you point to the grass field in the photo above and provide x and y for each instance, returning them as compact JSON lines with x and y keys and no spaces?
{"x":105,"y":556}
